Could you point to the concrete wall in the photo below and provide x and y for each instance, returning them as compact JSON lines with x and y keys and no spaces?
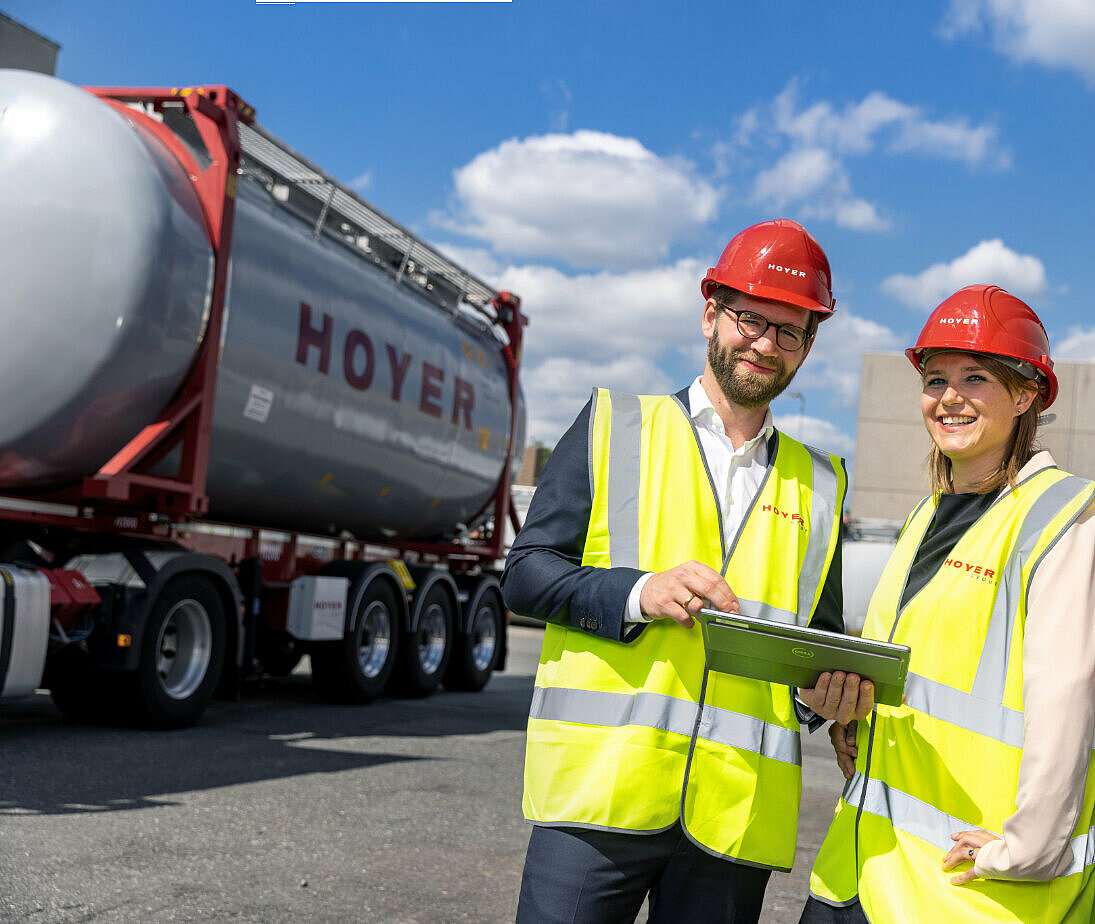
{"x":892,"y":446}
{"x":25,"y":49}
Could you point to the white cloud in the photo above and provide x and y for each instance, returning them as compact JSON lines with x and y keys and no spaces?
{"x":817,"y":182}
{"x":988,"y":262}
{"x":556,"y":389}
{"x":1055,"y":33}
{"x":1078,"y":346}
{"x":599,"y":317}
{"x":879,"y":120}
{"x":611,"y":329}
{"x":811,"y":176}
{"x":590,"y":198}
{"x":361,"y":182}
{"x":817,"y":432}
{"x":832,"y":371}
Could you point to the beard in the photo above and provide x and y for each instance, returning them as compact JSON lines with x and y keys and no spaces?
{"x":742,"y":387}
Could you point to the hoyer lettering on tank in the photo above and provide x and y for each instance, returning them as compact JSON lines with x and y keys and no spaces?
{"x":359,"y":366}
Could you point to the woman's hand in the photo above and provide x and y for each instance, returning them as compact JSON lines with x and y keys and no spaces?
{"x":839,"y":696}
{"x":965,"y":850}
{"x":843,"y":738}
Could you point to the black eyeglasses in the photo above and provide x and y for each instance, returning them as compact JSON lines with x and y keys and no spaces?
{"x":754,"y":326}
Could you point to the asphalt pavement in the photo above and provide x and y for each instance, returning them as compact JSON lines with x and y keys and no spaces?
{"x":281,"y":808}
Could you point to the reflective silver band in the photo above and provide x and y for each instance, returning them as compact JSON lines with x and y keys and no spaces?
{"x":666,"y":713}
{"x":906,"y":813}
{"x":1083,"y":853}
{"x":823,"y":507}
{"x":992,"y":669}
{"x":912,"y":816}
{"x":748,"y":733}
{"x":964,"y":710}
{"x":624,"y":445}
{"x":759,"y":610}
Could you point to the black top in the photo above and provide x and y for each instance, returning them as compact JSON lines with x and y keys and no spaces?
{"x":954,"y":514}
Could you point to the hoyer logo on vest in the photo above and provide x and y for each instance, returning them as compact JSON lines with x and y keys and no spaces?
{"x":359,"y":366}
{"x":786,"y":515}
{"x":973,"y":570}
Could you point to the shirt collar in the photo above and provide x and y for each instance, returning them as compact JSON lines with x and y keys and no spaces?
{"x":703,"y":413}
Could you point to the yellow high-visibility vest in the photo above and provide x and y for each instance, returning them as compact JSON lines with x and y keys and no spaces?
{"x":634,"y":736}
{"x":948,"y":759}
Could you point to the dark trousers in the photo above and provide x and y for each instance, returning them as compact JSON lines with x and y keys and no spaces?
{"x":574,"y":876}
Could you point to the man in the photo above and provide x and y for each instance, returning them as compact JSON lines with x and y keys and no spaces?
{"x":645,"y":772}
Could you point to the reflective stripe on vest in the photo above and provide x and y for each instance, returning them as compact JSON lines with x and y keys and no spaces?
{"x":918,"y":818}
{"x":667,"y":713}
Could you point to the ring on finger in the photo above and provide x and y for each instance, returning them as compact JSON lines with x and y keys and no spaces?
{"x":970,"y":851}
{"x":691,"y":597}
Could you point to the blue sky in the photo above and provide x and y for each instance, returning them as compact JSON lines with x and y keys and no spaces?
{"x":596,"y":157}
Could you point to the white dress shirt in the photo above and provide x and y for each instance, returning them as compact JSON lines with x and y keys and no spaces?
{"x":736,"y":473}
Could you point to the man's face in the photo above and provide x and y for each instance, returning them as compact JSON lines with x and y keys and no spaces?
{"x":752,"y":373}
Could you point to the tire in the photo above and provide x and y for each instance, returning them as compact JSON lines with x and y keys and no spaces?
{"x":425,"y":652}
{"x":475,"y":653}
{"x":356,"y":669}
{"x":182,"y":654}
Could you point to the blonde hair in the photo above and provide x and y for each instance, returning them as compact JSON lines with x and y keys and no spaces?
{"x":1020,"y":448}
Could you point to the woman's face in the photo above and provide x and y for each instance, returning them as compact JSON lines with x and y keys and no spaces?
{"x":969,"y":413}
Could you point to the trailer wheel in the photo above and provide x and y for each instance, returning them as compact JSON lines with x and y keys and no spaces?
{"x":475,"y":653}
{"x":181,"y":655}
{"x":356,"y":669}
{"x":425,"y":653}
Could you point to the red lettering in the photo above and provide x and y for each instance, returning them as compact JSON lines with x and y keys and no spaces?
{"x":356,"y":339}
{"x":969,"y":566}
{"x":463,"y":401}
{"x":308,"y":336}
{"x":399,"y":370}
{"x":989,"y":573}
{"x":783,"y":514}
{"x":432,"y":377}
{"x":766,"y":507}
{"x":977,"y":570}
{"x":958,"y":565}
{"x":947,"y":562}
{"x":795,"y":516}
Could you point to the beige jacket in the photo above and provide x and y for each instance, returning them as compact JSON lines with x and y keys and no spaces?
{"x":1058,"y":708}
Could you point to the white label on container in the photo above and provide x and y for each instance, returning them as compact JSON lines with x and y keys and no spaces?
{"x":259,"y":403}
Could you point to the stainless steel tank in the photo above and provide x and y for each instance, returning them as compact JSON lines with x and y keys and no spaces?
{"x":345,"y":401}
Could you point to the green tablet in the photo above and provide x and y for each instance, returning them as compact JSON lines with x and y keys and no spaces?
{"x":780,"y":653}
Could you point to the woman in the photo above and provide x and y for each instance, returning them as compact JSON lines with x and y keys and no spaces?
{"x":975,"y":799}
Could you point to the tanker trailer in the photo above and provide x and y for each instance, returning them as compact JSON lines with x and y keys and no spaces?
{"x":250,"y":416}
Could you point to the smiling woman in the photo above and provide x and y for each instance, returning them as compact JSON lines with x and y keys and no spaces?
{"x":992,"y":586}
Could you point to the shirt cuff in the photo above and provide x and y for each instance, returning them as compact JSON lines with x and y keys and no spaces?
{"x":633,"y":612}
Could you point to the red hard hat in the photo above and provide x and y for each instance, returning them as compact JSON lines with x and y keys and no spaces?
{"x":776,"y":259}
{"x":986,"y":319}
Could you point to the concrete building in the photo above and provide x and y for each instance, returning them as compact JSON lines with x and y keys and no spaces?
{"x":25,"y":49}
{"x":892,"y":445}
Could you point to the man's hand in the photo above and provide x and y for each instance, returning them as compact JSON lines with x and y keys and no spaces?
{"x":681,"y":591}
{"x":840,"y":696}
{"x":843,"y":738}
